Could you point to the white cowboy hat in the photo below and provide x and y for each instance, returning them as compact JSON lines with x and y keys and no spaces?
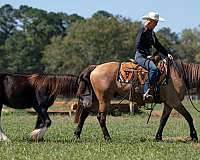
{"x":153,"y":15}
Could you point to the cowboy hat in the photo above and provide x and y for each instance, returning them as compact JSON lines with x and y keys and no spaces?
{"x":153,"y":15}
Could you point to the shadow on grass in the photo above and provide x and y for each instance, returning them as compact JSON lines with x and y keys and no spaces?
{"x":178,"y":139}
{"x":114,"y":140}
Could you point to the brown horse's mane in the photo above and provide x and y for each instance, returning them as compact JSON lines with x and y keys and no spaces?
{"x":66,"y":84}
{"x":189,"y":72}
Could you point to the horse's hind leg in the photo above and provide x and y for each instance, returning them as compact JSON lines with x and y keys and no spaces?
{"x":165,"y":115}
{"x":84,"y":114}
{"x":101,"y":116}
{"x":182,"y":110}
{"x":3,"y":137}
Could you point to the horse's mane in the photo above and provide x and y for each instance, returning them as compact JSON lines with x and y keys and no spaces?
{"x":189,"y":72}
{"x":65,"y":84}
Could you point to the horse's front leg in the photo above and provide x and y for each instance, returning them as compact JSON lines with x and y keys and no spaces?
{"x":43,"y":122}
{"x":3,"y":137}
{"x":182,"y":110}
{"x":165,"y":115}
{"x":39,"y":123}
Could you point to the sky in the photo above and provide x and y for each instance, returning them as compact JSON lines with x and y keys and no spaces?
{"x":179,"y":14}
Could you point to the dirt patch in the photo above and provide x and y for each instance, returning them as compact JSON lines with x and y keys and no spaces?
{"x":159,"y":113}
{"x":176,"y":139}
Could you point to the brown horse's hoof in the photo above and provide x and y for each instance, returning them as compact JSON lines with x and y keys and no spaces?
{"x":38,"y":140}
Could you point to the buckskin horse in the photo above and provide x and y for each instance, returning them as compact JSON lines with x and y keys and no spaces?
{"x":102,"y":82}
{"x":36,"y":90}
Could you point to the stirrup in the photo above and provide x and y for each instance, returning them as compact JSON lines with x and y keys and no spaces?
{"x":147,"y":95}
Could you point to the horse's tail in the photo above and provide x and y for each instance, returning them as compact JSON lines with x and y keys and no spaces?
{"x":84,"y":84}
{"x":84,"y":79}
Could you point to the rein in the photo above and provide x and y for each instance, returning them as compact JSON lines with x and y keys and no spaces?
{"x":152,"y":107}
{"x":124,"y":97}
{"x":129,"y":93}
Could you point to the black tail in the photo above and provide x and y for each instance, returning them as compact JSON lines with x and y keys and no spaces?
{"x":84,"y":86}
{"x":84,"y":79}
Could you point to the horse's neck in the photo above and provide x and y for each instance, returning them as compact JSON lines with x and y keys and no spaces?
{"x":191,"y":75}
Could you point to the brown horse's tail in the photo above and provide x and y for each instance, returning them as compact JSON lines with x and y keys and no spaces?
{"x":84,"y":84}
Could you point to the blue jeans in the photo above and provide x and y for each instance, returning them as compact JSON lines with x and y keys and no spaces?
{"x":150,"y":66}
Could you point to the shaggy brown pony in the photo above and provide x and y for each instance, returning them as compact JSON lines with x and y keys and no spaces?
{"x":38,"y":91}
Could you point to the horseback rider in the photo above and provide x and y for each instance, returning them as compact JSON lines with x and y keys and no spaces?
{"x":145,"y":39}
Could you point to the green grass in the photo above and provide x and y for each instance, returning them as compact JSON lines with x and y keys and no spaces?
{"x":132,"y":138}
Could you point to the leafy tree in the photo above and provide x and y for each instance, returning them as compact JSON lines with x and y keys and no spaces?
{"x":189,"y":47}
{"x":7,"y":22}
{"x":93,"y":41}
{"x":169,"y":35}
{"x":102,"y":13}
{"x":34,"y":40}
{"x":168,"y":39}
{"x":21,"y":55}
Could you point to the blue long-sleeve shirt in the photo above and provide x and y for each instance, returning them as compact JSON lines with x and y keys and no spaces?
{"x":145,"y":40}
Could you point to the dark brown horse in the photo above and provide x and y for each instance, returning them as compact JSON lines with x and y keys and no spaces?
{"x":103,"y":81}
{"x":38,"y":91}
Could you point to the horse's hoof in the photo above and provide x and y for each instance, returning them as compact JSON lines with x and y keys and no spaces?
{"x":4,"y":138}
{"x":195,"y":139}
{"x":37,"y":140}
{"x":77,"y":136}
{"x":158,"y":138}
{"x":107,"y":138}
{"x":38,"y":134}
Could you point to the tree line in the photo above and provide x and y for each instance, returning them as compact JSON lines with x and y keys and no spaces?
{"x":34,"y":40}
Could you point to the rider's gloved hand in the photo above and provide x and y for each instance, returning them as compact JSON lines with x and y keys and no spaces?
{"x":149,"y":57}
{"x":170,"y":56}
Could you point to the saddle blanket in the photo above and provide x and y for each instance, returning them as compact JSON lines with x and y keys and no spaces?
{"x":129,"y":71}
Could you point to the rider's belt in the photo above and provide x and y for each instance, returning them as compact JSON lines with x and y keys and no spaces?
{"x":144,"y":53}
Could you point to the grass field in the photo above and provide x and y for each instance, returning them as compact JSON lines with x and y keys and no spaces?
{"x":132,"y":138}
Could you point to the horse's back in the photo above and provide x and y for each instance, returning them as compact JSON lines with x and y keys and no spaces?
{"x":105,"y":72}
{"x":103,"y":78}
{"x":106,"y":68}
